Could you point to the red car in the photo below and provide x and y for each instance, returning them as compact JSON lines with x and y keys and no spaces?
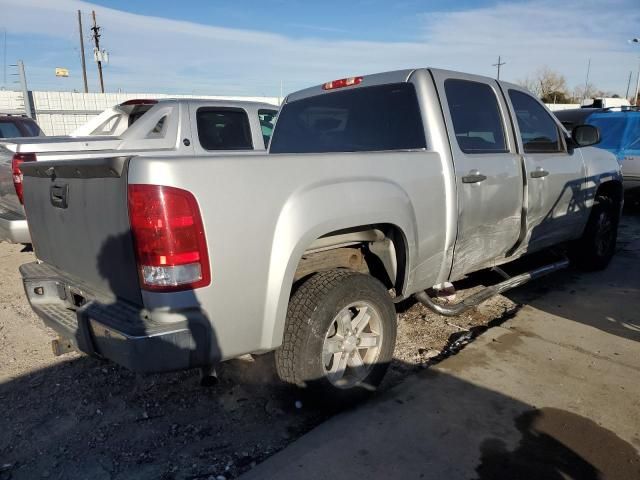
{"x":18,"y":126}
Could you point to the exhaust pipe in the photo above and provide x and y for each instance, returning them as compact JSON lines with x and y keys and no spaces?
{"x":488,"y":292}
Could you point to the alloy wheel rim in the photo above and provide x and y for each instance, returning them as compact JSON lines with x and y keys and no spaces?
{"x":352,"y":344}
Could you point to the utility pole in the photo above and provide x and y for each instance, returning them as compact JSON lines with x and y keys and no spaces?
{"x":499,"y":64}
{"x":4,"y":59}
{"x":586,"y":82}
{"x":96,"y":50}
{"x":25,"y":89}
{"x":84,"y":65}
{"x":628,"y":84}
{"x":637,"y":87}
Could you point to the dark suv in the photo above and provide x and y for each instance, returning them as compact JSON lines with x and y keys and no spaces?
{"x":18,"y":126}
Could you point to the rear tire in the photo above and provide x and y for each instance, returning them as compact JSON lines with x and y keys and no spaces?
{"x":339,"y":337}
{"x":594,"y":250}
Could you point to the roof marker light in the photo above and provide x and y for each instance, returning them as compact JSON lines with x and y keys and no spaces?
{"x":343,"y":82}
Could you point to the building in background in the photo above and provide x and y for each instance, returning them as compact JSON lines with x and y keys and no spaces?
{"x":60,"y":113}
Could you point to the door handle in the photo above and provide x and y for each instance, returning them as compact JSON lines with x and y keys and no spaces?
{"x":474,"y":176}
{"x":539,"y":173}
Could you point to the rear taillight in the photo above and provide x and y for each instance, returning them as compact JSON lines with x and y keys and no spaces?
{"x":343,"y":82}
{"x":170,"y":243}
{"x":17,"y":160}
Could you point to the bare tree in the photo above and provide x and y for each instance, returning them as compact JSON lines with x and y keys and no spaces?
{"x":550,"y":86}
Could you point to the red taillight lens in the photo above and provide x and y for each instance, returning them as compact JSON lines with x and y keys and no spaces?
{"x":169,"y":238}
{"x":343,"y":82}
{"x":16,"y":161}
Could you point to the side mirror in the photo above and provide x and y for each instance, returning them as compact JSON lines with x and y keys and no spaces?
{"x":585,"y":135}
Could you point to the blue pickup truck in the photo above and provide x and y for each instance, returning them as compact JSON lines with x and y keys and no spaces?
{"x":620,"y":135}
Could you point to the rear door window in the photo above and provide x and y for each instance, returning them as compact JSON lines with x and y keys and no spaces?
{"x":362,"y":119}
{"x":540,"y":133}
{"x":267,"y":119}
{"x":476,"y":117}
{"x":9,"y":130}
{"x":224,"y":129}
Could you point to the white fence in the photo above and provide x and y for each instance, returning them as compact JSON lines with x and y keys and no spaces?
{"x":59,"y":113}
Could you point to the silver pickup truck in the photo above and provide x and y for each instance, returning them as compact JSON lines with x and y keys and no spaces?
{"x":171,"y":127}
{"x":375,"y":188}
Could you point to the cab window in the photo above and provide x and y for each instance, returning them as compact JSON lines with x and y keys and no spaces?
{"x":540,"y":133}
{"x":476,"y":117}
{"x":224,"y":129}
{"x":267,"y":120}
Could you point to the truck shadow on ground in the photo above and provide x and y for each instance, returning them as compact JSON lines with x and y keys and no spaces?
{"x":612,"y":305}
{"x":88,"y":418}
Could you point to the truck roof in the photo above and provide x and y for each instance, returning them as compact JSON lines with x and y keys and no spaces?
{"x":219,"y":103}
{"x":395,"y":76}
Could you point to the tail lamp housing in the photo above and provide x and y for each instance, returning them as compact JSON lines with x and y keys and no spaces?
{"x":17,"y":160}
{"x":170,"y":244}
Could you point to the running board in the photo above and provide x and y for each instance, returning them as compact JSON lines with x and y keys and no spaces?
{"x":488,"y":292}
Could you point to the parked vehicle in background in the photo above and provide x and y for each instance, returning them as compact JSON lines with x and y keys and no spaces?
{"x":164,"y":128}
{"x":18,"y":126}
{"x":375,"y":188}
{"x":115,"y":120}
{"x":620,"y":135}
{"x":605,"y":102}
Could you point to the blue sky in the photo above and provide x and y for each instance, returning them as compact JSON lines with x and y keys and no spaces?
{"x":250,"y":47}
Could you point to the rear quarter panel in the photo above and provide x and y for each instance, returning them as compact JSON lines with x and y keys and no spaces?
{"x":261,"y":212}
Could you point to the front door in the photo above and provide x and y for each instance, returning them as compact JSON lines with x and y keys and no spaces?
{"x":555,"y":199}
{"x":487,"y":167}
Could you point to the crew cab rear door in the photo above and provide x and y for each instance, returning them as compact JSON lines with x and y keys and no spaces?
{"x":487,"y":168}
{"x":555,"y":177}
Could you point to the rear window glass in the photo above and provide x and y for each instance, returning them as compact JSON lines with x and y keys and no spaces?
{"x":9,"y":130}
{"x":362,"y":119}
{"x":224,"y":129}
{"x":267,"y":118}
{"x":32,"y":128}
{"x":476,"y":118}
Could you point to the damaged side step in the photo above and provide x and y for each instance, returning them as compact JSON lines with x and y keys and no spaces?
{"x":488,"y":292}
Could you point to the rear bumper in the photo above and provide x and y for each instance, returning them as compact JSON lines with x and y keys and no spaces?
{"x":135,"y":338}
{"x":13,"y":227}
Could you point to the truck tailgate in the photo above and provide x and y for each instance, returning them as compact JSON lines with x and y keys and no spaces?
{"x":79,"y":222}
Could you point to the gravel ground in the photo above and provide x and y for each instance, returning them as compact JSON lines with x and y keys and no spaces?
{"x":79,"y":417}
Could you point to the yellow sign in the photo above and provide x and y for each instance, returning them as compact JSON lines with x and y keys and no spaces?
{"x":62,"y":72}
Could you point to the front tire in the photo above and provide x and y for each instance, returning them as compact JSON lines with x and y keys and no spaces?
{"x":339,"y":336}
{"x":594,"y":250}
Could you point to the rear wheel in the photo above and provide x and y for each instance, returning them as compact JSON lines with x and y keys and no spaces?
{"x":339,"y":336}
{"x":594,"y":250}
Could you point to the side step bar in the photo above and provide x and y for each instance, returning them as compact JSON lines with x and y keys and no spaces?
{"x":488,"y":292}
